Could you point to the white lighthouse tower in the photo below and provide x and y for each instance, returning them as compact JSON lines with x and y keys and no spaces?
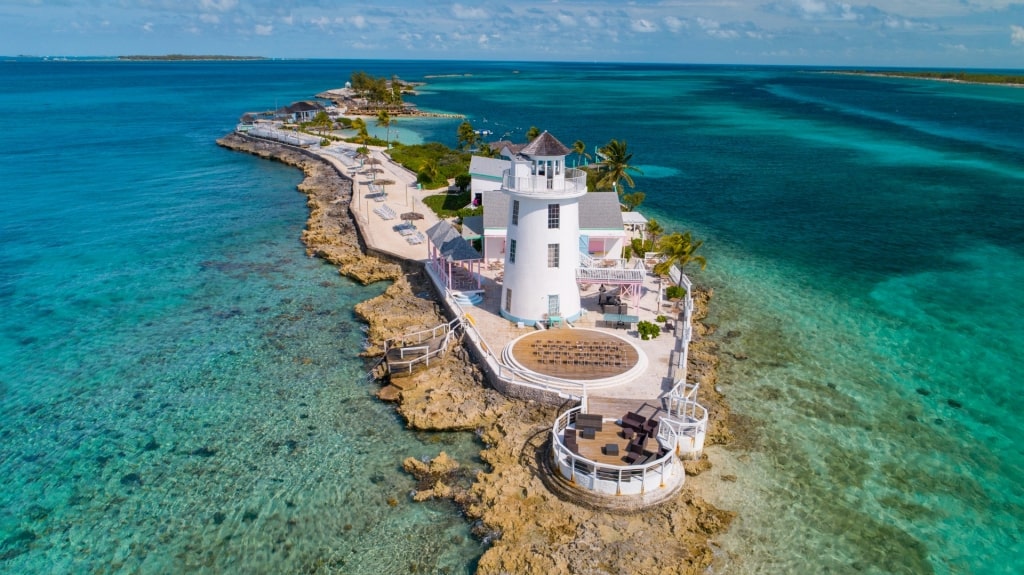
{"x":542,"y":249}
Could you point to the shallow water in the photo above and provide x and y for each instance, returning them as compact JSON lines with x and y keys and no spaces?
{"x":180,"y":386}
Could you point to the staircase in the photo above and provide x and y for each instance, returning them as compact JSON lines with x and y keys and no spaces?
{"x":470,"y":299}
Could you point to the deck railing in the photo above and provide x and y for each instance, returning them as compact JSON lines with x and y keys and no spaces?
{"x":411,"y":343}
{"x":575,"y":183}
{"x":606,"y":478}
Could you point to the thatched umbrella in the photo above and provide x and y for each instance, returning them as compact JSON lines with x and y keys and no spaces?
{"x":384,"y":184}
{"x":408,"y":216}
{"x":374,"y":162}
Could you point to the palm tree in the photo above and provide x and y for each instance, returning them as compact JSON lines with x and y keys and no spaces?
{"x":429,"y":171}
{"x":581,"y":151}
{"x":467,"y":135}
{"x":654,"y":230}
{"x":616,"y":167}
{"x":632,"y":201}
{"x":384,"y":119}
{"x":678,"y":249}
{"x":532,"y":133}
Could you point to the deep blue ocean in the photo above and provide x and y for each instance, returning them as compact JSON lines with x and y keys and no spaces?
{"x":179,"y":384}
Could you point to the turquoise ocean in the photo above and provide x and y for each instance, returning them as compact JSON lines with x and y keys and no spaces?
{"x":180,"y":389}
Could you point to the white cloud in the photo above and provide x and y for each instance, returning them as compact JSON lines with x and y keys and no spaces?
{"x":468,"y":12}
{"x":148,"y":27}
{"x":643,"y":26}
{"x":218,"y":5}
{"x":322,"y":22}
{"x":288,"y":20}
{"x":264,"y":29}
{"x":358,"y":21}
{"x":1017,"y":35}
{"x":482,"y":40}
{"x":209,"y":18}
{"x":565,"y":19}
{"x":674,"y":24}
{"x":592,"y":21}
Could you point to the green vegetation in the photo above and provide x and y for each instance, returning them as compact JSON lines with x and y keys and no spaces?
{"x":581,"y":151}
{"x":632,"y":201}
{"x":679,"y":250}
{"x":463,"y":181}
{"x":532,"y":133}
{"x":976,"y":77}
{"x":378,"y":92}
{"x":675,"y":292}
{"x":648,"y":330}
{"x":433,"y":162}
{"x":615,"y":166}
{"x":467,"y":135}
{"x":449,"y":205}
{"x":384,"y":119}
{"x":187,"y":57}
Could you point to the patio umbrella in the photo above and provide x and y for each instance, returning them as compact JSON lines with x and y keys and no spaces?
{"x":384,"y":184}
{"x":374,"y":162}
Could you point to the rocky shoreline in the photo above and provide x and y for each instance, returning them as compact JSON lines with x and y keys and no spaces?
{"x":533,"y":524}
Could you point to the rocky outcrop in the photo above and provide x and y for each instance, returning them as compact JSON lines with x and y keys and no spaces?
{"x":531,"y":526}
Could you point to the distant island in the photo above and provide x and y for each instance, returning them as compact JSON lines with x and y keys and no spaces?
{"x":965,"y":77}
{"x":181,"y":57}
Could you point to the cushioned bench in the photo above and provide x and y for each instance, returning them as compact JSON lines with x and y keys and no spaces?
{"x":634,"y":421}
{"x":591,"y":420}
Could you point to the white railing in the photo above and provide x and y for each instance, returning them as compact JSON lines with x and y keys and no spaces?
{"x":610,"y":275}
{"x":606,"y":478}
{"x":539,"y":185}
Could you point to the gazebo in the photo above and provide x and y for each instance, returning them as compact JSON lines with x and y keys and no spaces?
{"x":453,"y":259}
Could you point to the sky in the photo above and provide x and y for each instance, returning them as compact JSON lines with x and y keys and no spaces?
{"x":902,"y":33}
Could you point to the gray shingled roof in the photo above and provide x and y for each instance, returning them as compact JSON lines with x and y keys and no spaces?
{"x":472,"y":227}
{"x":598,"y":211}
{"x":451,"y":245}
{"x":545,"y":145}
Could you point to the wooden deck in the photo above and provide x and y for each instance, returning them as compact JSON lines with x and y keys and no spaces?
{"x":575,"y":354}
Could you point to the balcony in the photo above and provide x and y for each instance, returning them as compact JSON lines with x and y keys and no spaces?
{"x":575,"y":184}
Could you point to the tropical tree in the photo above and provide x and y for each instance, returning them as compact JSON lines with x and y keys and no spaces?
{"x":384,"y":119}
{"x":322,"y":121}
{"x":429,"y":171}
{"x":467,"y":135}
{"x":615,"y":166}
{"x":581,"y":151}
{"x":487,"y":151}
{"x":679,"y":250}
{"x":532,"y":133}
{"x":359,"y":125}
{"x":632,"y":201}
{"x":654,"y":230}
{"x":463,"y":181}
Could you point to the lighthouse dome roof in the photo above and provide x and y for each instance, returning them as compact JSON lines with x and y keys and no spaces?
{"x":545,"y":145}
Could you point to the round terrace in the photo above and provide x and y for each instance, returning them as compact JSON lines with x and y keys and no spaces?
{"x":607,"y":456}
{"x":586,"y":356}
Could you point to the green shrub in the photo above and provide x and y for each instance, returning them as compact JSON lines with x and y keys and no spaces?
{"x":661,"y":319}
{"x":448,"y":205}
{"x":648,"y":330}
{"x":325,"y":142}
{"x":675,"y":292}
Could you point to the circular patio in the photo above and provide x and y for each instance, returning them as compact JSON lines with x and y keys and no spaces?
{"x":583,"y":355}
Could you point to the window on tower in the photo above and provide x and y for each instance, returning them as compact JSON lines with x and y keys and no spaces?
{"x":553,"y":218}
{"x":552,"y":255}
{"x":512,"y":251}
{"x":515,"y":212}
{"x":508,"y":300}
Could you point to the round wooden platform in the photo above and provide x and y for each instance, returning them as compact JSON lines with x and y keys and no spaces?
{"x":575,"y":354}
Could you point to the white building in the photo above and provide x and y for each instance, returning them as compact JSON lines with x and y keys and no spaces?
{"x":543,"y":234}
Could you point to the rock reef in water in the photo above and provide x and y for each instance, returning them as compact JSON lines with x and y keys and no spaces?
{"x":533,"y":523}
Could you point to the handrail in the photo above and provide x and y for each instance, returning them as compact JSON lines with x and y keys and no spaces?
{"x":620,"y":474}
{"x":538,"y":185}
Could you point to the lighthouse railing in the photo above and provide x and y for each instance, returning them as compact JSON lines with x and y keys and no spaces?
{"x":539,"y":185}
